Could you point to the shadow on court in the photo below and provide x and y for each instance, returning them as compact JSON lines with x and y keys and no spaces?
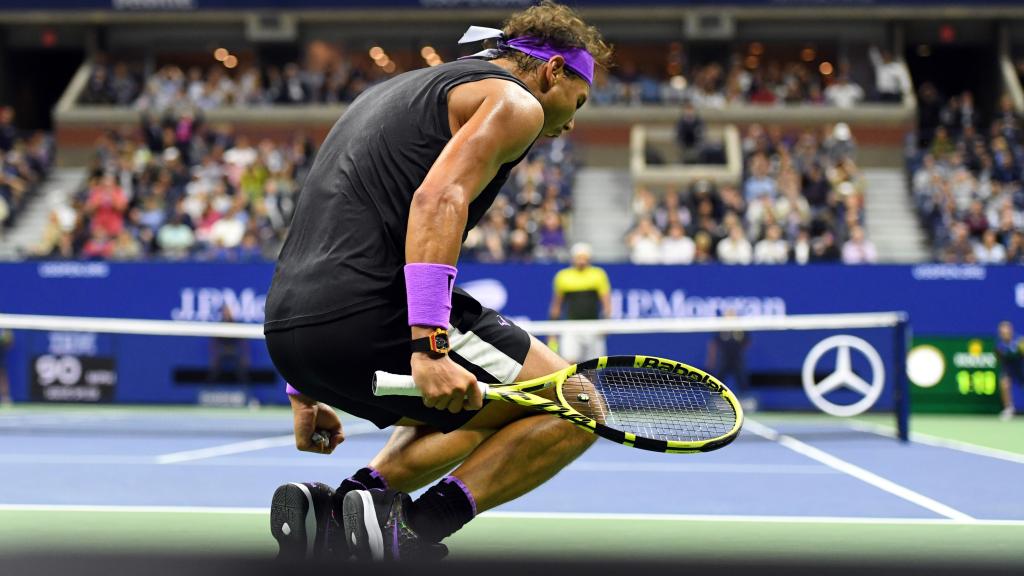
{"x":95,"y":565}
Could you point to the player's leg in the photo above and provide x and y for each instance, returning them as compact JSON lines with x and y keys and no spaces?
{"x":519,"y":456}
{"x":5,"y":386}
{"x":417,"y":454}
{"x":1006,"y":393}
{"x":528,"y":451}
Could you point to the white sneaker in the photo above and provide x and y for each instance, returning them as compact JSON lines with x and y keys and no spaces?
{"x":1007,"y":414}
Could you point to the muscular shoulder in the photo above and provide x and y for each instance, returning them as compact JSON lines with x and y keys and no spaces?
{"x":508,"y":108}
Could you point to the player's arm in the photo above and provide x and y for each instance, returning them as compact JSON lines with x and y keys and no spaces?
{"x":556,"y":306}
{"x":604,"y":290}
{"x":557,"y":298}
{"x":496,"y":122}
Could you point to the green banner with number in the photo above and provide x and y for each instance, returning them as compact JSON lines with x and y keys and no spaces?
{"x":954,"y":375}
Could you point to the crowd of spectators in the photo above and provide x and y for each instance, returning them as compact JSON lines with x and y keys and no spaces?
{"x":181,"y":190}
{"x":530,"y":217}
{"x":328,"y":74}
{"x":177,"y":189}
{"x":177,"y":88}
{"x":966,"y":179}
{"x":800,"y":201}
{"x":25,"y":160}
{"x":752,"y":80}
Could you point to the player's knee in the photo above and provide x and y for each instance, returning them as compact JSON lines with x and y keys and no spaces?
{"x":575,"y":438}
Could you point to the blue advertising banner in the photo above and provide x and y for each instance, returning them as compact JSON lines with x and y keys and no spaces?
{"x":942,"y":301}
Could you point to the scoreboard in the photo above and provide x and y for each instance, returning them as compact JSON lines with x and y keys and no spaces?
{"x":954,"y":375}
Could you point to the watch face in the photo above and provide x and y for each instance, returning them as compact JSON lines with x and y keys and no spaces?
{"x":440,"y":342}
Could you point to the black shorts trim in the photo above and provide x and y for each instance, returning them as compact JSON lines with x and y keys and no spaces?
{"x":334,"y":361}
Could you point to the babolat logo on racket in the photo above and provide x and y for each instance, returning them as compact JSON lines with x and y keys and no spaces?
{"x":677,"y":368}
{"x":552,"y":407}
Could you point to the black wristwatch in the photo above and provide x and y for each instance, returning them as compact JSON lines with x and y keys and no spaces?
{"x":436,"y":343}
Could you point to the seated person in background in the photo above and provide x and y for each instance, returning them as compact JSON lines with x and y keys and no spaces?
{"x":644,"y":242}
{"x":844,"y":93}
{"x":773,"y":249}
{"x":989,"y":251}
{"x":735,"y":248}
{"x":858,"y":249}
{"x":677,"y":247}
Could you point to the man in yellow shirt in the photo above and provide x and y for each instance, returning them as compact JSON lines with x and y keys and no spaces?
{"x":582,"y":292}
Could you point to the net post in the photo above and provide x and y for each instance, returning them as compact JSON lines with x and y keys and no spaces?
{"x":901,"y":380}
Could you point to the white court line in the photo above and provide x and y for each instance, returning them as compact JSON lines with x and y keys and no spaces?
{"x":299,"y":461}
{"x":251,"y":446}
{"x":857,"y":472}
{"x":940,"y":442}
{"x":131,"y":509}
{"x":499,"y":515}
{"x":226,"y":449}
{"x":672,"y":467}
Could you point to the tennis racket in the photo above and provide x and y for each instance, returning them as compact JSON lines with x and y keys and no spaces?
{"x":638,"y":401}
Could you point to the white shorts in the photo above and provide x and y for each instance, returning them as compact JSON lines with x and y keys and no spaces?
{"x":577,"y":347}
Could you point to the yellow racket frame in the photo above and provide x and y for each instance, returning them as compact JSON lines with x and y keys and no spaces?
{"x":523,"y":394}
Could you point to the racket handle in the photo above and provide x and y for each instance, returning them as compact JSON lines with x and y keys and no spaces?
{"x":388,"y":384}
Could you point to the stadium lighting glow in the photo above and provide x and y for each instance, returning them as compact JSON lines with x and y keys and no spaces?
{"x":427,"y":52}
{"x":825,"y":68}
{"x":231,"y":61}
{"x":390,"y":67}
{"x":377,"y":53}
{"x":221,"y":54}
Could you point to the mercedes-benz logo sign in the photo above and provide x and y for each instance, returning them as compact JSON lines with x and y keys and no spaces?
{"x":843,"y":376}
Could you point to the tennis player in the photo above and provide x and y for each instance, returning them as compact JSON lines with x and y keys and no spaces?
{"x":365,"y":282}
{"x":1010,"y":351}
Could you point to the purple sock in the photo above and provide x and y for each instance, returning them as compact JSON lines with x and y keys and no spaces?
{"x":364,"y":479}
{"x":441,"y":510}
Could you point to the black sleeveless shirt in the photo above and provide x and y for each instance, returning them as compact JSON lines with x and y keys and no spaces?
{"x":345,"y":249}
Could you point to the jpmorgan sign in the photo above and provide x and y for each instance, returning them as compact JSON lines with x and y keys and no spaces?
{"x":657,"y":303}
{"x":207,"y":304}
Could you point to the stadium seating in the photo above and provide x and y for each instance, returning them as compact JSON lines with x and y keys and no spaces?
{"x":25,"y":160}
{"x":799,"y":201}
{"x":966,"y":182}
{"x":181,"y":190}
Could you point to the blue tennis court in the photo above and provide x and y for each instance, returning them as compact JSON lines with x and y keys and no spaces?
{"x":780,"y":467}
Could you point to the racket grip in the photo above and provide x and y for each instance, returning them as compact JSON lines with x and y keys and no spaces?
{"x":388,"y":384}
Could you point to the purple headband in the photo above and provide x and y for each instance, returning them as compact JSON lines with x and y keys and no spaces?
{"x":576,"y":59}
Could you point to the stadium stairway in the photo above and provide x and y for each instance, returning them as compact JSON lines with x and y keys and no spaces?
{"x":889,"y":214}
{"x":601,"y":211}
{"x":58,"y":188}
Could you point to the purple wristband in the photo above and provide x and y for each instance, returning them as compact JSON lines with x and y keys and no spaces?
{"x":428,"y":288}
{"x":291,"y":391}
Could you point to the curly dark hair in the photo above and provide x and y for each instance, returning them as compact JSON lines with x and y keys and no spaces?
{"x":559,"y":25}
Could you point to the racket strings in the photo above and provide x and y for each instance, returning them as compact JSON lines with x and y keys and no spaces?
{"x":650,"y":403}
